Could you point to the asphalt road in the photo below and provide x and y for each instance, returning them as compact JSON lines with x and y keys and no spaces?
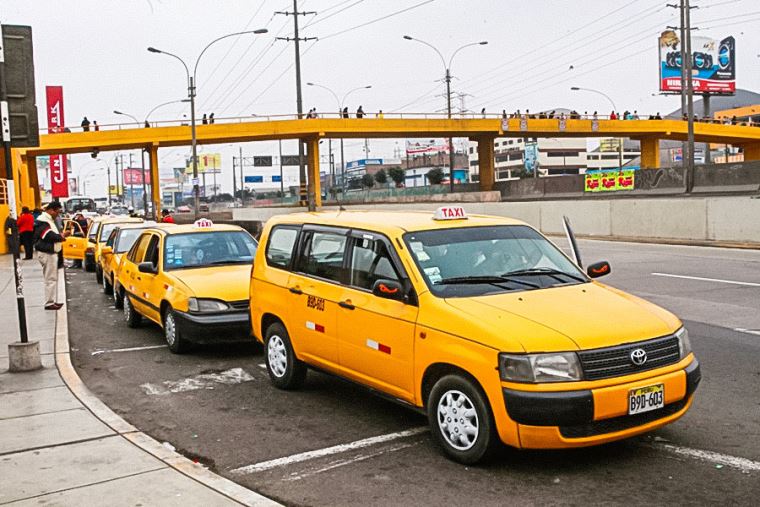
{"x":333,"y":443}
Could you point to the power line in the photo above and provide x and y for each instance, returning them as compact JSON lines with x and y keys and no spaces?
{"x":325,"y":18}
{"x":381,"y":18}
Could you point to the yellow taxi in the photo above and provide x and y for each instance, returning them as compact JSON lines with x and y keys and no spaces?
{"x":120,"y":240}
{"x":100,"y":230}
{"x":76,"y":242}
{"x":479,"y":321}
{"x":192,"y":280}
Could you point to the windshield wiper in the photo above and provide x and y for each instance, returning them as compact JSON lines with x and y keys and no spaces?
{"x":554,"y":273}
{"x":228,"y":261}
{"x":492,"y":280}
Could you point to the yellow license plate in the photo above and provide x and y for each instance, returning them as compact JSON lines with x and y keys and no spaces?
{"x":644,"y":399}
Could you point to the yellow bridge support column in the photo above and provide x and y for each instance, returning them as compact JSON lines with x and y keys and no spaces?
{"x":486,"y":162}
{"x":751,"y":151}
{"x":155,"y":184}
{"x":650,"y":152}
{"x":312,"y":160}
{"x":33,"y":200}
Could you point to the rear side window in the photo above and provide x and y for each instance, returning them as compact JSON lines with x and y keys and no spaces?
{"x":322,"y":256}
{"x":280,"y":246}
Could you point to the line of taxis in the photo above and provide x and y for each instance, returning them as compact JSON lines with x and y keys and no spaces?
{"x":479,"y":322}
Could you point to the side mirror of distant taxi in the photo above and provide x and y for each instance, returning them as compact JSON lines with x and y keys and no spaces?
{"x":388,"y":289}
{"x":598,"y":269}
{"x":147,"y":267}
{"x":106,"y":250}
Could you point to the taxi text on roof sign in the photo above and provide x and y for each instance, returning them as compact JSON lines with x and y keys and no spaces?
{"x":450,"y":213}
{"x":203,"y":223}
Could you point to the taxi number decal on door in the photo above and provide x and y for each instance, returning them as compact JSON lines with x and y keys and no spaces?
{"x":319,"y":328}
{"x":380,"y":347}
{"x":316,"y":303}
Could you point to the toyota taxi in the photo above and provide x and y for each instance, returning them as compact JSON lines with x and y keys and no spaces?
{"x":479,"y":321}
{"x":121,"y":239}
{"x":192,"y":280}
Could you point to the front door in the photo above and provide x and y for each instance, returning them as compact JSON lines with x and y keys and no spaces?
{"x":76,"y":242}
{"x":375,"y":335}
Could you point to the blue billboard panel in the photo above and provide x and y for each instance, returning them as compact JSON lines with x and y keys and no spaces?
{"x":254,"y":179}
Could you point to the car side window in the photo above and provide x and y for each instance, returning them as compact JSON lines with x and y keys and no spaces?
{"x":137,"y":252}
{"x":93,"y":233}
{"x":280,"y":245}
{"x":112,"y":238}
{"x":322,"y":255}
{"x":370,"y":261}
{"x":151,"y":251}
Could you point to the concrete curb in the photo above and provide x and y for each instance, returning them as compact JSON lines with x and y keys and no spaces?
{"x":99,"y":409}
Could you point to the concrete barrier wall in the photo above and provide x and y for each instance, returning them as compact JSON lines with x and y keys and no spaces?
{"x":733,"y":219}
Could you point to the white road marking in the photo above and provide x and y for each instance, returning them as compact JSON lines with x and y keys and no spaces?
{"x":702,"y":279}
{"x":743,"y":464}
{"x":336,"y":449}
{"x":203,"y":381}
{"x":343,"y":462}
{"x":130,"y":349}
{"x":748,"y":331}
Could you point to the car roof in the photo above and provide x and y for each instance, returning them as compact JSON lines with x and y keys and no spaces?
{"x":122,"y":220}
{"x":390,"y":221}
{"x":190,"y":228}
{"x":143,"y":225}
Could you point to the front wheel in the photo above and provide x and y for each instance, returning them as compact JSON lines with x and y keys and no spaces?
{"x":174,"y":339}
{"x":130,"y":314}
{"x":286,"y":371}
{"x":98,"y":274}
{"x":460,"y":420}
{"x":107,"y":287}
{"x":118,"y":298}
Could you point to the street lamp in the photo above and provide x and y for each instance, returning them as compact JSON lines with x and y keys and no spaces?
{"x":191,"y":95}
{"x":447,"y":67}
{"x":341,"y":104}
{"x":620,"y":139}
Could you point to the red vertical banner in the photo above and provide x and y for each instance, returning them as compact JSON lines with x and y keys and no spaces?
{"x":58,"y":171}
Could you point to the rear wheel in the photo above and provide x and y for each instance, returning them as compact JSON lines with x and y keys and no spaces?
{"x":107,"y":287}
{"x":174,"y":339}
{"x":286,"y":371}
{"x":118,"y":298}
{"x":460,"y":420}
{"x":130,"y":314}
{"x":98,"y":274}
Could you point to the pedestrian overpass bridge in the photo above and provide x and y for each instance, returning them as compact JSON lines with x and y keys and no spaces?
{"x":312,"y":130}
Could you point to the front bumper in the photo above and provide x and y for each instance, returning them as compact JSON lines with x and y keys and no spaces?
{"x":594,"y":416}
{"x":214,"y":328}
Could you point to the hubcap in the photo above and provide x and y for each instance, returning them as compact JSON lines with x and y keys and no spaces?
{"x":105,"y":284}
{"x":170,"y":329}
{"x":277,"y":355}
{"x":458,"y":420}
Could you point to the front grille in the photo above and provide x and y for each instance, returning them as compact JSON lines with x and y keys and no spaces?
{"x":616,"y":361}
{"x":239,"y":305}
{"x":621,"y":423}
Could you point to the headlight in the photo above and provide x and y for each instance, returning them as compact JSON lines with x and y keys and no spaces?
{"x":206,"y":305}
{"x":557,"y":367}
{"x":684,"y":345}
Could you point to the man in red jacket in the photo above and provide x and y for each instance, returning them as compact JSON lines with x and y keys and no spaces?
{"x":25,"y":223}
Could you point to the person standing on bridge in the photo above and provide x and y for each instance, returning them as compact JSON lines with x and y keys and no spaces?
{"x":613,"y":116}
{"x":360,"y":112}
{"x":345,"y":112}
{"x":204,"y":120}
{"x":85,"y":125}
{"x":95,"y":126}
{"x":211,"y":118}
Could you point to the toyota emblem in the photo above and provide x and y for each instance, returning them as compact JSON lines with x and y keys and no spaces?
{"x":639,"y":357}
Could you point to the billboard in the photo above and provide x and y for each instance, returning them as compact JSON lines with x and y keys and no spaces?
{"x":58,"y":173}
{"x":713,"y":64}
{"x":207,"y":162}
{"x":425,"y":147}
{"x":610,"y":181}
{"x":133,"y":176}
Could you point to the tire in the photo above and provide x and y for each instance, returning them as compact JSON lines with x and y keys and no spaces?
{"x":174,"y":340}
{"x":130,"y":314}
{"x":88,"y":266}
{"x":98,"y":274}
{"x":286,"y":371}
{"x":118,"y":298}
{"x":471,"y":438}
{"x":107,"y":287}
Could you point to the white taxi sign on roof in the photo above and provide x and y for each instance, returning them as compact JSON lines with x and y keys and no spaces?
{"x":450,"y":213}
{"x":203,"y":223}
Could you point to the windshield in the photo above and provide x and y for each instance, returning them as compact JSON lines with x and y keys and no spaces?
{"x":201,"y":249}
{"x":474,"y":261}
{"x":126,"y":239}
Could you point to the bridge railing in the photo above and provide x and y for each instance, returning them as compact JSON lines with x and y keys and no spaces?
{"x":377,"y":115}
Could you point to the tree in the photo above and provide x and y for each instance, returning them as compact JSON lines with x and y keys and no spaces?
{"x":435,"y":176}
{"x":381,"y":177}
{"x":368,"y":180}
{"x":397,"y":175}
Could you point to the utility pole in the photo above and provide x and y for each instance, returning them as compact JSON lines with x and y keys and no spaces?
{"x":131,"y":185}
{"x":689,"y":96}
{"x":451,"y":139}
{"x":234,"y":182}
{"x":144,"y":190}
{"x":282,"y":185}
{"x":117,"y":161}
{"x":299,"y":99}
{"x":242,"y":179}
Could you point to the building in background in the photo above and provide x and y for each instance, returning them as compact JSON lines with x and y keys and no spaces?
{"x":607,"y":154}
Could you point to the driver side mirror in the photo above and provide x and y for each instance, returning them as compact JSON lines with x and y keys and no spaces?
{"x":147,"y":267}
{"x":388,"y":289}
{"x":106,"y":250}
{"x":599,"y":269}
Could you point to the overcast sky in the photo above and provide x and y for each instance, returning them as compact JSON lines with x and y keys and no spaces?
{"x":537,"y":50}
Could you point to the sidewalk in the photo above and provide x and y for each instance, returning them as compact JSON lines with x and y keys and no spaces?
{"x":60,"y":445}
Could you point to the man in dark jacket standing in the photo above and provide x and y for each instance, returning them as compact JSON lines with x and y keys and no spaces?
{"x":48,"y":242}
{"x":26,"y":232}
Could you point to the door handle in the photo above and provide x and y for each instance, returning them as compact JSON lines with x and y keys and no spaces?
{"x":346,"y":304}
{"x":295,"y":290}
